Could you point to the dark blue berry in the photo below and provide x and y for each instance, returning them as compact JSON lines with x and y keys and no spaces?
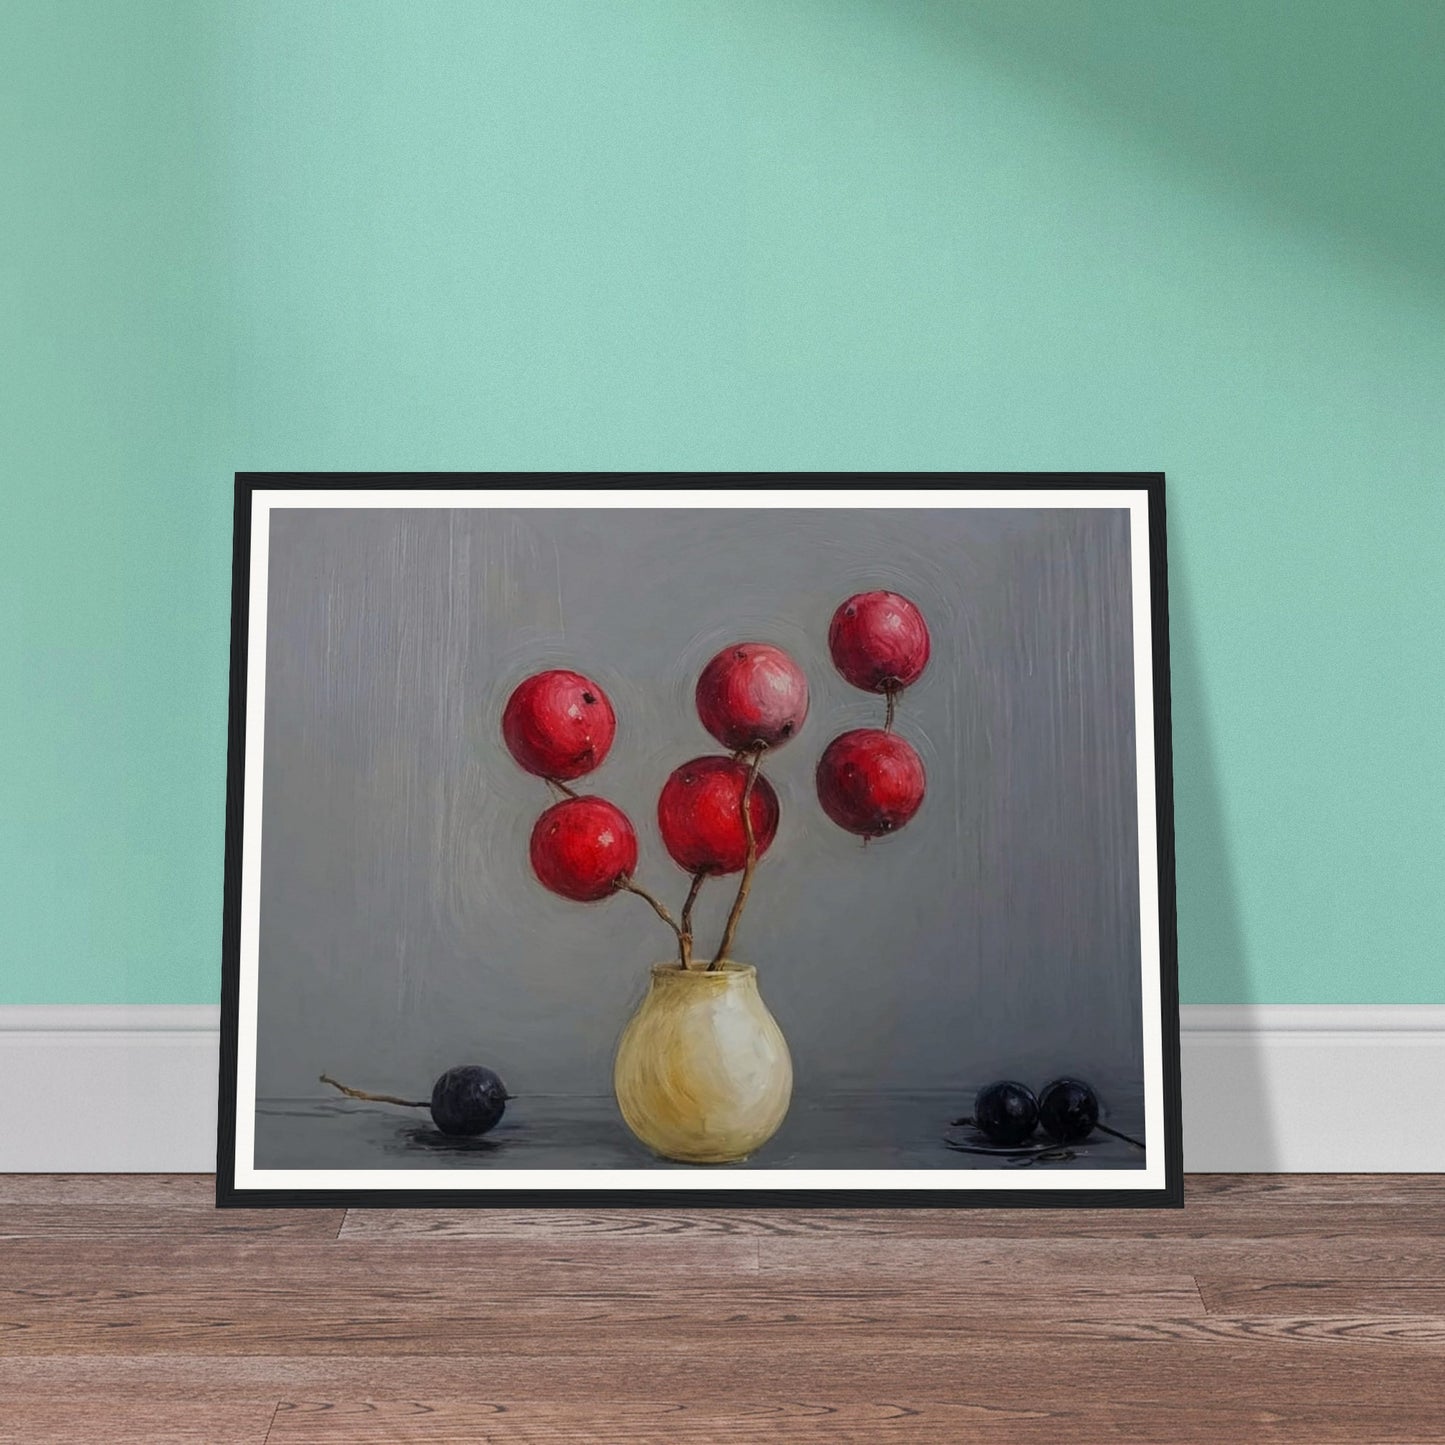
{"x":1005,"y":1112}
{"x":468,"y":1100}
{"x":1068,"y":1110}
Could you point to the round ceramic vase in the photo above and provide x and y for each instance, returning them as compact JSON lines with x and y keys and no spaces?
{"x":702,"y":1073}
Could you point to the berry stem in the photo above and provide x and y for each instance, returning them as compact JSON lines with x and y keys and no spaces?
{"x":562,"y":788}
{"x":628,"y":886}
{"x":749,"y":866}
{"x":892,"y":694}
{"x":1127,"y":1138}
{"x":376,"y":1098}
{"x":685,"y":933}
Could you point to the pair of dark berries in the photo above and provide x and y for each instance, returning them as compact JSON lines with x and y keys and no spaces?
{"x":1007,"y":1113}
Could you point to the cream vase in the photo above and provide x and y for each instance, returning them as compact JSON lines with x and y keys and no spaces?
{"x":702,"y":1073}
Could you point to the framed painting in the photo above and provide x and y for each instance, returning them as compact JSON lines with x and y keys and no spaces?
{"x":699,"y":840}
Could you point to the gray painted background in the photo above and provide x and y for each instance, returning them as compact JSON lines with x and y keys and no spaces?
{"x":402,"y":930}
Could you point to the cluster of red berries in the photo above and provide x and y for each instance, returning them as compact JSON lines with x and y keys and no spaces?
{"x":560,"y":726}
{"x":753,"y":698}
{"x":870,"y":780}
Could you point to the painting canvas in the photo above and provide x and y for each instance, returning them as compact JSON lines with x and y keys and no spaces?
{"x":699,"y":839}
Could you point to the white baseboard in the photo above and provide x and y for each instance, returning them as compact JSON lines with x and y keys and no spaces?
{"x":1270,"y":1088}
{"x":1299,"y":1088}
{"x":108,"y":1088}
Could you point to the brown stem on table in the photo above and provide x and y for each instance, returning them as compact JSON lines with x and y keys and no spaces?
{"x":749,"y":865}
{"x":626,"y":885}
{"x":892,"y":703}
{"x":685,"y":933}
{"x":562,"y":788}
{"x":376,"y":1098}
{"x":1127,"y":1138}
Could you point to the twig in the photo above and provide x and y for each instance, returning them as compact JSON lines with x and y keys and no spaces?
{"x":892,"y":693}
{"x":749,"y":865}
{"x":685,"y":933}
{"x":628,"y":886}
{"x":376,"y":1098}
{"x":1127,"y":1138}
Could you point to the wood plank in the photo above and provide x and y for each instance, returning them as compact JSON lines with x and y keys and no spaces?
{"x":1257,"y":1206}
{"x":137,"y":1422}
{"x":634,"y":1423}
{"x":924,"y":1260}
{"x":80,"y":1221}
{"x":1088,"y":1360}
{"x":928,"y":1422}
{"x":191,"y":1191}
{"x":875,"y":1262}
{"x":1395,"y":1348}
{"x":662,"y":1424}
{"x":1324,"y":1296}
{"x":266,"y":1260}
{"x":1317,"y":1190}
{"x":466,"y":1312}
{"x":1081,"y":1362}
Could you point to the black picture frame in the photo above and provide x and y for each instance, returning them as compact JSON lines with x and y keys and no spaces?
{"x":1171,"y":1195}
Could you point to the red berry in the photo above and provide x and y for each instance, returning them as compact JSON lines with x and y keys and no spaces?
{"x":582,"y":848}
{"x":558,"y":724}
{"x":879,"y":641}
{"x":701,"y":815}
{"x":752,"y":693}
{"x":870,"y":782}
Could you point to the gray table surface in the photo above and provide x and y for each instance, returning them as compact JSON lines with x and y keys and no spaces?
{"x":832,"y":1131}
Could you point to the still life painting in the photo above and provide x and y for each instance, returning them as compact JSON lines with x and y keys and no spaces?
{"x":714,"y":840}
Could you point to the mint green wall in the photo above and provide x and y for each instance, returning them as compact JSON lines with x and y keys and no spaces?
{"x":1198,"y":235}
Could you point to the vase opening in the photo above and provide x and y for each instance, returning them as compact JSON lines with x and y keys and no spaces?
{"x":727,"y":969}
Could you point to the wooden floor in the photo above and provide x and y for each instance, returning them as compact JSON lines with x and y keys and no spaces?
{"x":1303,"y":1308}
